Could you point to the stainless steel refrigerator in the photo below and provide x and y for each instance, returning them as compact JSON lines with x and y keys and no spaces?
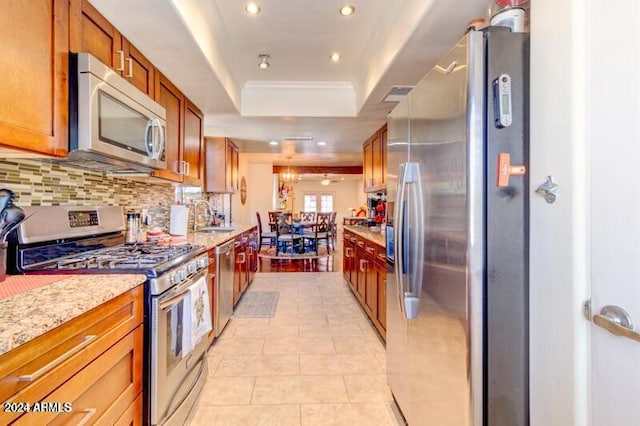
{"x":457,"y":290}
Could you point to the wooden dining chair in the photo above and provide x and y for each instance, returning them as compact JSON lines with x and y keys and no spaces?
{"x":319,"y":233}
{"x":272,"y":219}
{"x":308,"y":216}
{"x":285,"y":235}
{"x":265,"y":237}
{"x":333,"y":230}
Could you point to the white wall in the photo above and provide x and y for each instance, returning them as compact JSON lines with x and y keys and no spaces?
{"x":559,"y":231}
{"x":258,"y":172}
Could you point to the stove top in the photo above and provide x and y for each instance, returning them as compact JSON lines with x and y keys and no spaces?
{"x":127,"y":256}
{"x":89,"y":240}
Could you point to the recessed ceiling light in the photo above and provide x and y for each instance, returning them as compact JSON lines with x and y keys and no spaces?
{"x":335,"y":57}
{"x":347,"y":10}
{"x":252,"y":8}
{"x":264,"y":61}
{"x":274,"y":143}
{"x":322,"y":143}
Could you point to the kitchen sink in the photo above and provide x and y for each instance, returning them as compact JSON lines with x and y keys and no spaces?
{"x":216,"y":229}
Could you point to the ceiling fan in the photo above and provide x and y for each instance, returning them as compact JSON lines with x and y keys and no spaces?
{"x":326,"y":181}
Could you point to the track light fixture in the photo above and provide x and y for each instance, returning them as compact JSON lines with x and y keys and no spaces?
{"x":264,"y":61}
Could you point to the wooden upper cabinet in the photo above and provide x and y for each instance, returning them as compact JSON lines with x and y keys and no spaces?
{"x":221,"y":165}
{"x":383,"y":154}
{"x":376,"y":160}
{"x":193,"y":133}
{"x":34,"y":54}
{"x":138,"y":70}
{"x":374,"y":153}
{"x":367,"y":164}
{"x":168,"y":95}
{"x":92,"y":33}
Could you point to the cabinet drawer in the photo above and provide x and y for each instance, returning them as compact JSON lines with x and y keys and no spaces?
{"x":371,"y":249}
{"x":32,"y":371}
{"x":133,"y":415}
{"x":102,"y":391}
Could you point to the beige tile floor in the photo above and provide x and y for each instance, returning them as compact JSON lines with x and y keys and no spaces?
{"x":318,"y":361}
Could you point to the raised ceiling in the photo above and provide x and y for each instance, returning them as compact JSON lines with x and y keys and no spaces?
{"x":210,"y":49}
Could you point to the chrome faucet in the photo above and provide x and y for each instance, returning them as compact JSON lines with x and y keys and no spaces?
{"x":196,"y":203}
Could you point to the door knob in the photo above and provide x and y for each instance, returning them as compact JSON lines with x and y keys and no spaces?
{"x":617,"y":321}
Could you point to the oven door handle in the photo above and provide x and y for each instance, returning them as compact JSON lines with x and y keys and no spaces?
{"x":165,"y":303}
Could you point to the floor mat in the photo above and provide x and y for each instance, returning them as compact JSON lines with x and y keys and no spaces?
{"x":257,"y":304}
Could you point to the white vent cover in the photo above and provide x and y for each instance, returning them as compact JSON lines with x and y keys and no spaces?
{"x":298,"y":138}
{"x":396,"y":93}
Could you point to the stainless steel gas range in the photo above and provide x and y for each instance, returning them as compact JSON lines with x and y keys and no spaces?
{"x":90,"y":240}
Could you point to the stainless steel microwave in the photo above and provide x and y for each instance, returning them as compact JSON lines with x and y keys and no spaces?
{"x":114,"y":127}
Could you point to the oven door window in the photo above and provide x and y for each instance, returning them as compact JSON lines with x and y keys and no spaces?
{"x":121,"y":125}
{"x":175,"y":328}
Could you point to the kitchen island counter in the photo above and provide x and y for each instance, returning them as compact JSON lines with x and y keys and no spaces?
{"x":35,"y":311}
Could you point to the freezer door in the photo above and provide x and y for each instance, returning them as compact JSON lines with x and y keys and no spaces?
{"x":443,"y":222}
{"x":397,"y":346}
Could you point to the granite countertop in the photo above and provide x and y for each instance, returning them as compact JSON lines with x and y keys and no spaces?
{"x":363,"y":231}
{"x":32,"y":313}
{"x":214,"y":239}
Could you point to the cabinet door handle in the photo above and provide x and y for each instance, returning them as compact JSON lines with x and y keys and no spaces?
{"x":363,"y":265}
{"x":120,"y":53}
{"x":130,"y":73}
{"x":90,"y":412}
{"x":242,"y":258}
{"x":50,"y":366}
{"x":348,"y":251}
{"x":186,"y":168}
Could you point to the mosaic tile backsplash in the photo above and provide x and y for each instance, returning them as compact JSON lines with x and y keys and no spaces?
{"x":41,"y":183}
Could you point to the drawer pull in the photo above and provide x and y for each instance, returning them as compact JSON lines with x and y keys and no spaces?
{"x":370,"y":250}
{"x":50,"y":366}
{"x":90,"y":412}
{"x":382,"y":256}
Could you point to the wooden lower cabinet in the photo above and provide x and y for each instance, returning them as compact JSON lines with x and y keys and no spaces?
{"x":102,"y":391}
{"x":246,"y":262}
{"x":133,"y":415}
{"x":365,"y":270}
{"x":380,"y":267}
{"x":93,"y":362}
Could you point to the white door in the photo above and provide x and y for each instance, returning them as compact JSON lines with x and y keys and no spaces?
{"x":614,"y":133}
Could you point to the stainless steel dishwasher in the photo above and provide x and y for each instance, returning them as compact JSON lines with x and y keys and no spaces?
{"x":224,"y":286}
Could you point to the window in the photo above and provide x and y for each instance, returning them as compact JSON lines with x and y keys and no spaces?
{"x":310,"y":201}
{"x":318,"y":203}
{"x":326,"y":203}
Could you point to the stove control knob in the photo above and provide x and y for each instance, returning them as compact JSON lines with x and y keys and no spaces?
{"x":175,"y":278}
{"x":183,"y":274}
{"x":202,"y":263}
{"x":191,"y":268}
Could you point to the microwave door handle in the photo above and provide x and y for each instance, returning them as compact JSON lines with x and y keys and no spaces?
{"x":159,"y":147}
{"x":155,"y":146}
{"x":148,"y":144}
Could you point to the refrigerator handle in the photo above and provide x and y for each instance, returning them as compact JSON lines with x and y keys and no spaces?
{"x":398,"y":246}
{"x":411,"y":296}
